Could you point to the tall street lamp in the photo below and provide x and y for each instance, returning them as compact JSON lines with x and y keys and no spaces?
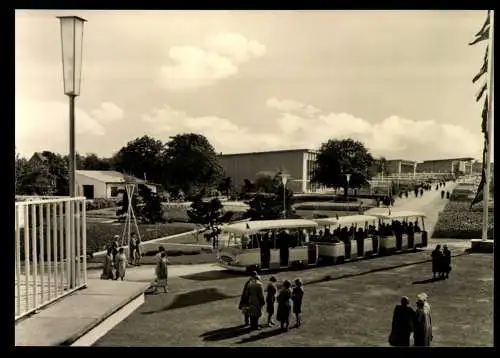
{"x":348,"y":178}
{"x":72,"y":49}
{"x":284,"y":180}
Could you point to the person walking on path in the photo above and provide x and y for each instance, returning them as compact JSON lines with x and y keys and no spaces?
{"x":446,"y":261}
{"x":422,"y":335}
{"x":403,"y":320}
{"x":284,"y":305}
{"x":271,"y":291}
{"x":297,"y":296}
{"x":162,"y":273}
{"x":244,"y":299}
{"x":437,"y":261}
{"x":121,"y":264}
{"x":107,"y":270}
{"x":256,"y":301}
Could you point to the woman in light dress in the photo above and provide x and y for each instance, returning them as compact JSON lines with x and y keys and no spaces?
{"x":121,"y":264}
{"x":422,"y":335}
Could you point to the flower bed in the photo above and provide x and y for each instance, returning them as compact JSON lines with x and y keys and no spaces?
{"x":458,"y":220}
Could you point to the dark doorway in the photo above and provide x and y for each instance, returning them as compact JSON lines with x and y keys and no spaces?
{"x":88,"y":191}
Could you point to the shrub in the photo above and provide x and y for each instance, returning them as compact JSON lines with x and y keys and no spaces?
{"x":344,"y":199}
{"x":332,"y":206}
{"x":462,"y":225}
{"x":100,"y":203}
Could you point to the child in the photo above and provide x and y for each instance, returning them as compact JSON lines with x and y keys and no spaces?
{"x":270,"y":299}
{"x":297,"y":295}
{"x":162,"y":272}
{"x":284,"y":305}
{"x":121,"y":263}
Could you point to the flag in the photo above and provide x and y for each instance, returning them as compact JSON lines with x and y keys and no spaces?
{"x":484,"y":33}
{"x":480,"y":189}
{"x":484,"y":68}
{"x":481,"y":92}
{"x":484,"y":129}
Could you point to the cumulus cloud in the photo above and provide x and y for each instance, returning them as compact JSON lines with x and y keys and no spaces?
{"x":298,"y":125}
{"x":108,"y":112}
{"x":220,"y":58}
{"x":393,"y":137}
{"x":43,"y":125}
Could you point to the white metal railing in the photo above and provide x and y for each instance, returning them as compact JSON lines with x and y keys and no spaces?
{"x":51,"y":250}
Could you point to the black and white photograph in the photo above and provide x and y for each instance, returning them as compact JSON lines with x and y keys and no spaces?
{"x":254,"y":178}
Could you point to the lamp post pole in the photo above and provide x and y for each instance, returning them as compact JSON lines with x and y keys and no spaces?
{"x":72,"y":49}
{"x":284,"y":180}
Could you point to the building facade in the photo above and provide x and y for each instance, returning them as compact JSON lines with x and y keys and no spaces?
{"x":464,"y":165}
{"x":298,"y":163}
{"x":401,"y":166}
{"x":98,"y":184}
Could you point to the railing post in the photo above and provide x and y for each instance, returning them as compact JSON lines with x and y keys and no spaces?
{"x":35,"y":259}
{"x":84,"y":239}
{"x":67,"y":243}
{"x":41,"y":242}
{"x":18,"y":263}
{"x":78,"y":242}
{"x":27,"y":255}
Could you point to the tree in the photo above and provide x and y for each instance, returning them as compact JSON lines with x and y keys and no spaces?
{"x":339,"y":157}
{"x":152,"y":211}
{"x":141,"y":157}
{"x":209,"y":214}
{"x":191,"y":163}
{"x":146,"y":205}
{"x":19,"y":172}
{"x":225,"y":186}
{"x":247,"y":187}
{"x":265,"y":184}
{"x":93,"y":162}
{"x":58,"y":168}
{"x":36,"y":179}
{"x":269,"y":205}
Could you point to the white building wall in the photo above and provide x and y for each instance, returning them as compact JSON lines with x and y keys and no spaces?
{"x":100,"y":190}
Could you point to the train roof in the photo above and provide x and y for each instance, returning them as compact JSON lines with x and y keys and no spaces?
{"x":252,"y":227}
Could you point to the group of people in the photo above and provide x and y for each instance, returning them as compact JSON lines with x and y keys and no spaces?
{"x":407,"y":320}
{"x":441,"y":262}
{"x":115,"y":262}
{"x":289,"y":300}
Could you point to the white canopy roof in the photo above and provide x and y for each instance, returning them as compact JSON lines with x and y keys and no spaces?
{"x":252,"y":227}
{"x":346,"y":220}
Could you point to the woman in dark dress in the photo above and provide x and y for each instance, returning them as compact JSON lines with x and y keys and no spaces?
{"x":446,"y":261}
{"x":437,"y":259}
{"x":270,"y":300}
{"x":402,"y":324}
{"x":297,"y":295}
{"x":284,"y":305}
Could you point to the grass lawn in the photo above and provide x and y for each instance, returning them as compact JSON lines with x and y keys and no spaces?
{"x":344,"y":305}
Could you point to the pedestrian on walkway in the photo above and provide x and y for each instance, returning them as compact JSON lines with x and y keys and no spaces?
{"x":256,"y":301}
{"x":162,"y":273}
{"x":446,"y":261}
{"x":422,"y":335}
{"x":121,"y":264}
{"x":284,"y":305}
{"x":107,"y":269}
{"x":403,"y":319}
{"x":271,"y":291}
{"x":442,"y":194}
{"x":297,"y":296}
{"x":437,"y":261}
{"x":244,"y":299}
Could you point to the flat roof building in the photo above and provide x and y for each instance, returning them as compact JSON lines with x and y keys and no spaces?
{"x":298,"y":163}
{"x":452,"y":165}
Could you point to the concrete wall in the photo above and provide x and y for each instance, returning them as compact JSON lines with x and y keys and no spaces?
{"x":248,"y":165}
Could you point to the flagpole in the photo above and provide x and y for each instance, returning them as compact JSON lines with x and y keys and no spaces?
{"x":487,"y":165}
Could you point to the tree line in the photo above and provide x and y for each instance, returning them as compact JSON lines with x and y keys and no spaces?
{"x":187,"y":166}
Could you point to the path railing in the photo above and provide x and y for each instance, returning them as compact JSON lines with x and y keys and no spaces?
{"x":50,"y":251}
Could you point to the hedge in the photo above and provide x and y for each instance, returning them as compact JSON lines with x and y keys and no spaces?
{"x":100,"y":235}
{"x":97,"y":204}
{"x":332,"y":206}
{"x":465,"y":206}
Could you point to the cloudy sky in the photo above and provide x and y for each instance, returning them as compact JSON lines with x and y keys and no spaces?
{"x":399,"y":81}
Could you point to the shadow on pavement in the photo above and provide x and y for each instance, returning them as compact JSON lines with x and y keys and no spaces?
{"x":225,"y":333}
{"x":429,"y":280}
{"x":262,"y":335}
{"x":210,"y":275}
{"x":193,"y":298}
